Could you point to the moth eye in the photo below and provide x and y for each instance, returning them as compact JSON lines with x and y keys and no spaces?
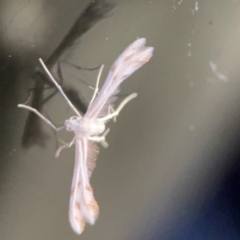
{"x":73,"y":118}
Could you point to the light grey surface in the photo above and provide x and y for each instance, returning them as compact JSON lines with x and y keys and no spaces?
{"x":163,"y":149}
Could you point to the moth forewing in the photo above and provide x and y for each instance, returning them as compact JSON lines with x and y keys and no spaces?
{"x":83,"y":206}
{"x":134,"y":57}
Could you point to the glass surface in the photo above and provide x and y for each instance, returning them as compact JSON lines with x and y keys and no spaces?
{"x":171,"y":169}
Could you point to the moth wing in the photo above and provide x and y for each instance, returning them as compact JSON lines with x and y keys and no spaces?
{"x":83,"y":206}
{"x":133,"y":57}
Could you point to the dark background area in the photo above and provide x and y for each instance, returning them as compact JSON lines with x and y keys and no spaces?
{"x":172,"y":167}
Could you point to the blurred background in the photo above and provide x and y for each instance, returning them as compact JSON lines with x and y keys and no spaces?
{"x":172,"y":168}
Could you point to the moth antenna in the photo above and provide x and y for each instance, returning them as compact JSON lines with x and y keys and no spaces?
{"x":59,"y":87}
{"x":97,"y":85}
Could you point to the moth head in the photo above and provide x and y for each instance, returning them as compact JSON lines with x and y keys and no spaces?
{"x":72,"y":123}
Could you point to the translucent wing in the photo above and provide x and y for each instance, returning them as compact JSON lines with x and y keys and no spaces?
{"x":83,"y":207}
{"x":133,"y":57}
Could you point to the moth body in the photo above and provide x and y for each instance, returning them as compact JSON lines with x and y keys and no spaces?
{"x":85,"y":127}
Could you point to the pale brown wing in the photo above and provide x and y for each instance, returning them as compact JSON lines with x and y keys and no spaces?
{"x":133,"y":57}
{"x":83,"y":206}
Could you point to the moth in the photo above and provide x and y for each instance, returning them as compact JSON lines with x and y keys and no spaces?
{"x":90,"y":129}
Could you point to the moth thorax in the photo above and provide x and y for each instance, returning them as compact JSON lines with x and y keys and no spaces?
{"x":92,"y":127}
{"x":85,"y":127}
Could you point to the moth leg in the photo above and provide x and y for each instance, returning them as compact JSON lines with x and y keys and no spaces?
{"x":97,"y":85}
{"x":101,"y":138}
{"x":41,"y":116}
{"x":59,"y":88}
{"x":66,"y":145}
{"x":111,"y":110}
{"x":120,"y":107}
